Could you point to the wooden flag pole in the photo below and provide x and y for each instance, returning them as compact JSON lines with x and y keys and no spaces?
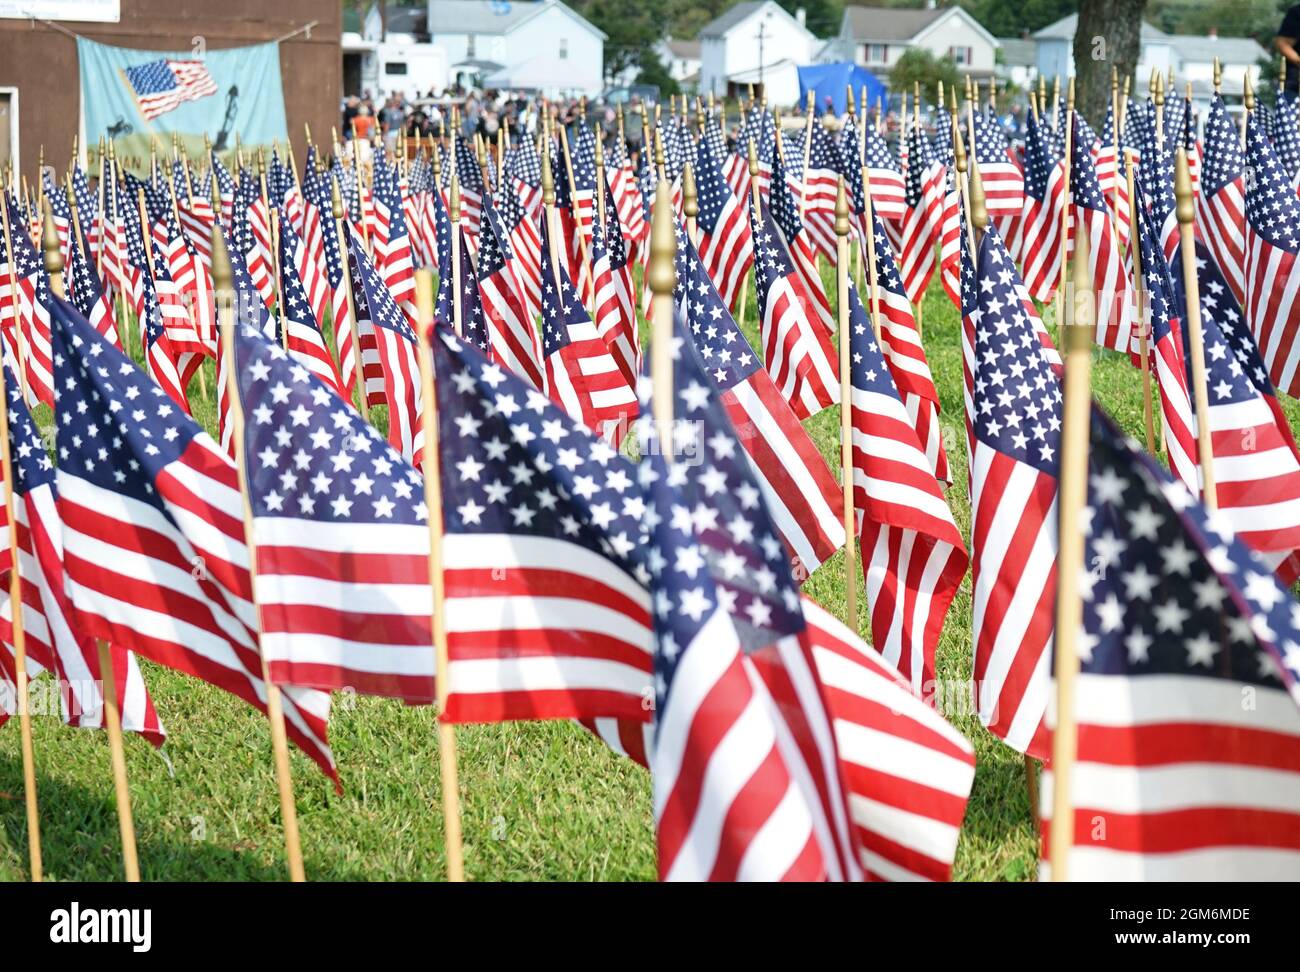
{"x":453,"y":214}
{"x":873,"y":280}
{"x":661,"y":278}
{"x":53,"y":265}
{"x":222,"y":285}
{"x":1068,"y":204}
{"x":1075,"y":425}
{"x":585,"y":269}
{"x":918,"y":309}
{"x":1248,"y":99}
{"x":450,"y":784}
{"x":1196,"y":339}
{"x":117,"y":751}
{"x":807,"y":155}
{"x":846,"y":407}
{"x":336,"y":213}
{"x":1143,"y":316}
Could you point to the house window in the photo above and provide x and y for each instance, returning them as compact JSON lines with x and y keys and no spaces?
{"x":470,"y":46}
{"x":395,"y":67}
{"x":564,"y":48}
{"x":877,"y":53}
{"x":960,"y":55}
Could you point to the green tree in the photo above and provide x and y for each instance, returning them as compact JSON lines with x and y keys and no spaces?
{"x":919,"y":65}
{"x":822,"y":17}
{"x":632,"y":30}
{"x":1009,"y":18}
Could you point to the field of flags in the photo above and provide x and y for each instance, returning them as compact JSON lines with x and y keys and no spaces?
{"x":735,"y":505}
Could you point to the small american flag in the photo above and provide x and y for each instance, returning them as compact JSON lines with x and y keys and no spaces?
{"x":342,"y":535}
{"x":888,"y":193}
{"x":1256,"y":462}
{"x":798,"y":487}
{"x":913,"y":557}
{"x":547,"y":612}
{"x":302,"y":334}
{"x":1015,"y":417}
{"x":1181,"y":623}
{"x":1272,"y":274}
{"x":1221,"y":206}
{"x":163,"y":85}
{"x":615,"y":306}
{"x":1040,"y":229}
{"x":581,"y":375}
{"x":1105,"y":259}
{"x":153,"y":530}
{"x":514,"y":340}
{"x":726,"y":243}
{"x":1004,"y":183}
{"x":917,"y":232}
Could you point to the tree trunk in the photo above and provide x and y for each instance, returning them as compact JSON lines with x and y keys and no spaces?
{"x":1108,"y":36}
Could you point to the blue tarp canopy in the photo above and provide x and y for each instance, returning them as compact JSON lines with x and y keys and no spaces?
{"x":832,"y":80}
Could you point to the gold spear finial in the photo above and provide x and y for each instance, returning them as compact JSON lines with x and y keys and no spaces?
{"x":958,"y":147}
{"x":1160,"y":90}
{"x":1248,"y":93}
{"x":1069,"y":98}
{"x":223,"y":276}
{"x":690,"y":201}
{"x":600,"y":157}
{"x":753,"y":160}
{"x":979,"y":213}
{"x":1114,"y":80}
{"x":852,"y":102}
{"x":548,"y":180}
{"x":1151,"y":87}
{"x":842,"y":210}
{"x":940,"y":98}
{"x":50,"y":244}
{"x":659,"y":148}
{"x":661,"y":275}
{"x":336,"y":201}
{"x":1183,"y":188}
{"x":1218,"y":75}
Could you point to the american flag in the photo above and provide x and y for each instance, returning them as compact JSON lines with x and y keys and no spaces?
{"x":514,"y":340}
{"x":470,"y":177}
{"x":1004,"y":183}
{"x":88,"y":295}
{"x":726,"y":243}
{"x":888,"y":192}
{"x":627,"y":196}
{"x":1105,"y":259}
{"x":193,"y":285}
{"x":916,"y":234}
{"x":1167,"y":354}
{"x":194,"y":210}
{"x":799,"y":490}
{"x":952,"y":237}
{"x":153,"y":530}
{"x":1181,"y":623}
{"x":54,"y":639}
{"x":162,"y":313}
{"x":379,"y":317}
{"x":1272,"y":276}
{"x":256,"y":246}
{"x":311,"y":257}
{"x":818,"y":188}
{"x":226,"y":182}
{"x":615,"y":304}
{"x":547,"y":612}
{"x":302,"y":335}
{"x":522,"y":232}
{"x":524,"y":166}
{"x":341,"y":531}
{"x":1286,"y":137}
{"x":745,"y":769}
{"x":1015,"y":415}
{"x":797,"y":349}
{"x":1158,"y":191}
{"x":906,"y":358}
{"x":581,"y":375}
{"x":24,"y":312}
{"x":907,"y":772}
{"x":165,"y":84}
{"x":393,"y":256}
{"x":1221,"y":206}
{"x":1040,"y":229}
{"x":1256,"y":463}
{"x":913,"y":557}
{"x":88,"y":214}
{"x":343,"y":317}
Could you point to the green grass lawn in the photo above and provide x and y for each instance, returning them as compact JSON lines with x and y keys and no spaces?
{"x":542,"y":801}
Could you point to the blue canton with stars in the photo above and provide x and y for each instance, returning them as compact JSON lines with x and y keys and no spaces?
{"x":722,"y":348}
{"x":1017,"y":396}
{"x":308,"y":454}
{"x":1041,"y":160}
{"x":713,"y":191}
{"x":1167,"y":589}
{"x":1223,"y":160}
{"x":369,"y":287}
{"x":513,"y":463}
{"x":1272,"y":209}
{"x":713,"y":544}
{"x":558,"y":311}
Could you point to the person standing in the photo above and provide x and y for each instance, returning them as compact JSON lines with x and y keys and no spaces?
{"x":1286,"y":42}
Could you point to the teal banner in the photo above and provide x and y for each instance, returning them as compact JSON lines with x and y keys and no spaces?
{"x":133,"y":96}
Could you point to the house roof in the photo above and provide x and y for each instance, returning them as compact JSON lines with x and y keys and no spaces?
{"x":1018,"y":51}
{"x":1064,"y":29}
{"x":889,"y":23}
{"x":492,"y":16}
{"x":1235,"y":50}
{"x":406,"y":20}
{"x":686,"y":50}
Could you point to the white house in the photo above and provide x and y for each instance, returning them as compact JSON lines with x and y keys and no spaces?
{"x":399,"y":59}
{"x":879,"y":36}
{"x":1017,"y":61}
{"x":1191,"y":58}
{"x":756,"y":43}
{"x":681,"y":58}
{"x":541,"y":46}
